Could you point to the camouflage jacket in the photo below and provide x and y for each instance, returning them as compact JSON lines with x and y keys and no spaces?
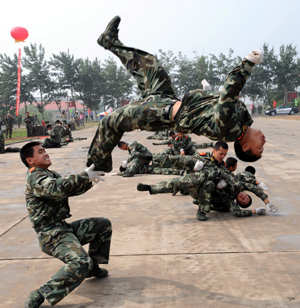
{"x":221,"y":117}
{"x":137,"y":150}
{"x":184,"y":143}
{"x":28,"y":121}
{"x":9,"y":122}
{"x":56,"y":134}
{"x":2,"y":149}
{"x":47,"y":195}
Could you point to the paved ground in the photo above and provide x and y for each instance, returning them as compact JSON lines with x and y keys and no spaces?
{"x":161,"y":255}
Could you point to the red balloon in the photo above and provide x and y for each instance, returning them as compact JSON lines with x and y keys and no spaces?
{"x":19,"y":33}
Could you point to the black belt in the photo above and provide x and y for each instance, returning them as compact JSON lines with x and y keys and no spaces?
{"x":167,"y":112}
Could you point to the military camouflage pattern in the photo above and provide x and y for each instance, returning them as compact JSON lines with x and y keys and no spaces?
{"x":223,"y":202}
{"x":167,"y":142}
{"x":139,"y":157}
{"x":2,"y":142}
{"x":47,"y":203}
{"x":203,"y":145}
{"x":181,"y":143}
{"x":9,"y":123}
{"x":66,"y":135}
{"x":55,"y":140}
{"x":218,"y":117}
{"x":29,"y":122}
{"x":246,"y":176}
{"x":160,"y":135}
{"x":179,"y":162}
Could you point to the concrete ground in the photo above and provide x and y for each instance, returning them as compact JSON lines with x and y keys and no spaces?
{"x":161,"y":255}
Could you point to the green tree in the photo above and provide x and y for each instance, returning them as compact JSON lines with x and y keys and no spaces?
{"x":38,"y":75}
{"x":65,"y":71}
{"x":118,"y":85}
{"x":90,"y":84}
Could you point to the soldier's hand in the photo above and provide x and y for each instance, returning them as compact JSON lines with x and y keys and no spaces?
{"x":124,"y":163}
{"x":256,"y":56}
{"x":94,"y":176}
{"x":221,"y":184}
{"x":260,"y":211}
{"x":199,"y":165}
{"x":272,"y":207}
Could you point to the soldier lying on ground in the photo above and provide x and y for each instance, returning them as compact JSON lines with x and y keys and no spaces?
{"x":56,"y":139}
{"x":2,"y":145}
{"x":160,"y":135}
{"x":168,"y":142}
{"x":218,"y":116}
{"x":182,"y":145}
{"x":47,"y":203}
{"x":201,"y":185}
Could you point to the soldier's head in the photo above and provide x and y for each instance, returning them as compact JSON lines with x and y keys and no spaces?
{"x":172,"y":134}
{"x":250,"y":169}
{"x":251,"y":145}
{"x":180,"y":135}
{"x":231,"y":164}
{"x":243,"y":199}
{"x":220,"y":151}
{"x":27,"y":114}
{"x":58,"y":122}
{"x":49,"y":126}
{"x":123,"y":145}
{"x":34,"y":155}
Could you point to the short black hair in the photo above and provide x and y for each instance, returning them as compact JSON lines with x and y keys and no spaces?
{"x":27,"y":151}
{"x":244,"y":206}
{"x":247,"y":156}
{"x":231,"y":162}
{"x":120,"y":143}
{"x":58,"y":121}
{"x":221,"y":144}
{"x":49,"y":125}
{"x":250,"y":169}
{"x":171,"y":133}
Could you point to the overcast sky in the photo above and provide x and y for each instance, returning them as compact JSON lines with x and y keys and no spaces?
{"x":189,"y":26}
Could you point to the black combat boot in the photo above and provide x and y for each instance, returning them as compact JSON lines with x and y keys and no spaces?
{"x":143,"y":187}
{"x":201,"y":215}
{"x":97,"y":272}
{"x":34,"y":300}
{"x":110,"y":35}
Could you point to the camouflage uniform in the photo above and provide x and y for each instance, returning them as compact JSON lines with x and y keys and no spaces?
{"x":47,"y":203}
{"x":179,"y":162}
{"x":160,"y":135}
{"x":29,"y":122}
{"x":55,"y":139}
{"x":203,"y":145}
{"x":66,"y":134}
{"x":221,"y":117}
{"x":181,"y":143}
{"x":139,"y":157}
{"x":9,"y":123}
{"x":7,"y":149}
{"x":2,"y":148}
{"x":167,"y":142}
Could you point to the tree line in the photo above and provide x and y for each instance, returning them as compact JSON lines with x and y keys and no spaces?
{"x":106,"y":84}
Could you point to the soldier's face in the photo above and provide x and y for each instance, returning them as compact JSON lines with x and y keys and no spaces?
{"x":123,"y":147}
{"x":220,"y":154}
{"x":242,"y":198}
{"x":40,"y":158}
{"x":256,"y":142}
{"x":180,"y":135}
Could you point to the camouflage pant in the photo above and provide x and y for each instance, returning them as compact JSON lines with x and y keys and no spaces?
{"x":29,"y":131}
{"x":64,"y":241}
{"x":2,"y":148}
{"x":180,"y":162}
{"x":8,"y":132}
{"x":136,"y":166}
{"x":48,"y":143}
{"x":199,"y":185}
{"x":204,"y":145}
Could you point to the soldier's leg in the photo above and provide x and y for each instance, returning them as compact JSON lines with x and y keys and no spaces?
{"x":132,"y":168}
{"x":148,"y":114}
{"x":97,"y":232}
{"x":65,"y":246}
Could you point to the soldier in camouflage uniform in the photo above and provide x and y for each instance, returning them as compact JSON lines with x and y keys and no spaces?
{"x":57,"y":136}
{"x":182,"y":145}
{"x":2,"y":145}
{"x":9,"y":123}
{"x":160,"y":135}
{"x":203,"y":145}
{"x":216,"y":116}
{"x":139,"y":157}
{"x":29,"y":122}
{"x":168,"y":142}
{"x":47,"y":203}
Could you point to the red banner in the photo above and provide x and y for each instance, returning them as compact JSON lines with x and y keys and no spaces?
{"x":18,"y":84}
{"x":292,"y":95}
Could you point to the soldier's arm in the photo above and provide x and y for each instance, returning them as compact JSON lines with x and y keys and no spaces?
{"x":45,"y":186}
{"x":236,"y":210}
{"x":256,"y":190}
